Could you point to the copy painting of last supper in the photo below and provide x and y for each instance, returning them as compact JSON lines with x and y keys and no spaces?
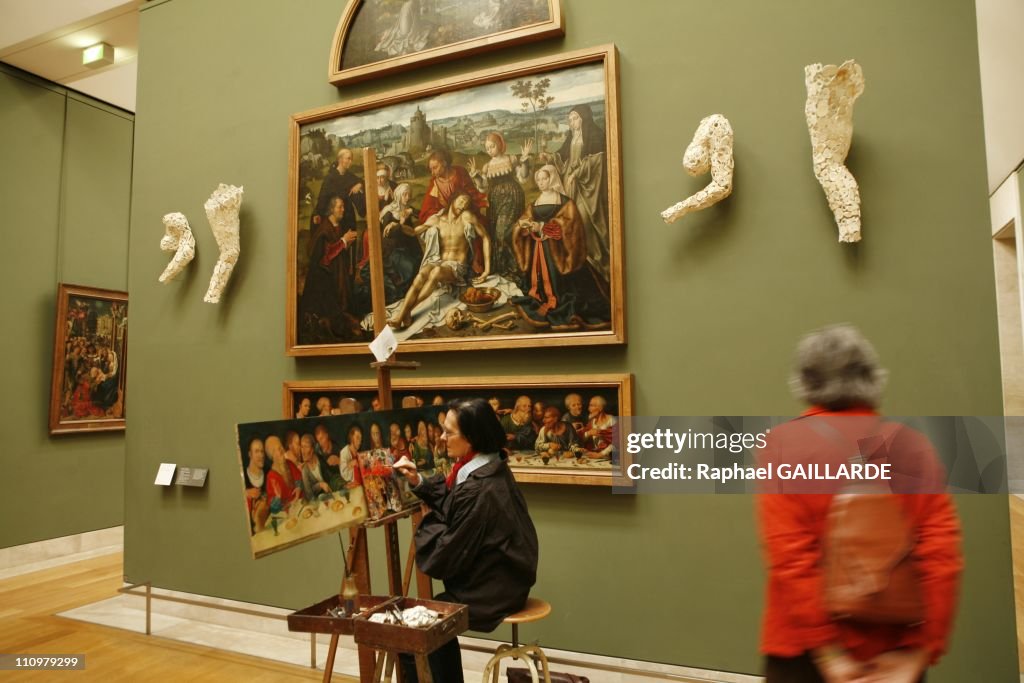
{"x":496,"y":213}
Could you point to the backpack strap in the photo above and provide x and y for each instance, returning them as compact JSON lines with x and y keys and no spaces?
{"x":870,"y":449}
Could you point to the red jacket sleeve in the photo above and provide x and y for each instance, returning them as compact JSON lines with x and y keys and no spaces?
{"x":793,"y":553}
{"x":940,"y":563}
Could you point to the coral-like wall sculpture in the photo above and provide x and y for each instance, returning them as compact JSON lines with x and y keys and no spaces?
{"x":831,"y":92}
{"x":177,"y":238}
{"x":711,"y":149}
{"x":222,"y":213}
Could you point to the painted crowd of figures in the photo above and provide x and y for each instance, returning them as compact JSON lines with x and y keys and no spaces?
{"x":312,"y":467}
{"x":583,"y":431}
{"x":474,"y":227}
{"x":92,"y":368}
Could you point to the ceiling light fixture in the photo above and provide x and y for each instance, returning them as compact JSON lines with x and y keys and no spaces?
{"x":100,"y":54}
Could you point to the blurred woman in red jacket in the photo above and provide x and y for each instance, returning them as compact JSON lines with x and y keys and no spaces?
{"x":837,"y":373}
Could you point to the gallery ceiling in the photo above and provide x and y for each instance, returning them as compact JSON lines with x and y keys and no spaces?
{"x":46,"y":38}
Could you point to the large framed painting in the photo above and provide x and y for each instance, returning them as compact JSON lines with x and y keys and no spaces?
{"x":561,"y":429}
{"x":377,"y":37}
{"x":304,"y":478}
{"x":87,"y":392}
{"x":499,"y":196}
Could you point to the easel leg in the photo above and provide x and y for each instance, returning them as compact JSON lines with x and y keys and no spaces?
{"x":389,"y":669}
{"x":367,"y":664}
{"x":423,"y":669}
{"x":393,"y":558}
{"x":332,"y":649}
{"x":424,"y":586}
{"x":360,"y":564}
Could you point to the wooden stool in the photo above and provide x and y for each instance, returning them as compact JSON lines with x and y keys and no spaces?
{"x":534,"y":610}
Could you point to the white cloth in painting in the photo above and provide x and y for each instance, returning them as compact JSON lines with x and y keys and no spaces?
{"x":432,"y":251}
{"x":432,"y":311}
{"x":346,"y":458}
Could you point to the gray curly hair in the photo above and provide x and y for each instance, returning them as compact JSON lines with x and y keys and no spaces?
{"x":837,"y":367}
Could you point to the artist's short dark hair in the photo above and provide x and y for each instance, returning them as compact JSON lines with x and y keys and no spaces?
{"x":478,"y":424}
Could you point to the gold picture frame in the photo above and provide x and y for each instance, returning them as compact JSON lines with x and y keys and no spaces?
{"x":375,"y":41}
{"x":300,"y":399}
{"x":87,"y":391}
{"x":536,"y":296}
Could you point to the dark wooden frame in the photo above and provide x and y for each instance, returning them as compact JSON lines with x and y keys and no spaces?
{"x":58,"y":425}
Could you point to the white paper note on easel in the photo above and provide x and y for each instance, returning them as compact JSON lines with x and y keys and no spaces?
{"x":384,"y":345}
{"x":165,"y":475}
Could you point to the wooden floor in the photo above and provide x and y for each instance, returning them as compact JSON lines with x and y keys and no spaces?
{"x":29,"y":602}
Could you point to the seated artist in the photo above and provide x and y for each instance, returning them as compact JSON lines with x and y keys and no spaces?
{"x":478,"y":537}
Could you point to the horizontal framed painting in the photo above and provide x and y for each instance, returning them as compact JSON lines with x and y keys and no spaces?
{"x":87,"y":392}
{"x":378,"y":37}
{"x":561,"y":429}
{"x":304,"y":478}
{"x":499,"y":197}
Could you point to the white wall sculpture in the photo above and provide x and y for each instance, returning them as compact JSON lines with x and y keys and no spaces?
{"x":831,"y":92}
{"x":710,"y":150}
{"x":177,"y":238}
{"x":222,"y":212}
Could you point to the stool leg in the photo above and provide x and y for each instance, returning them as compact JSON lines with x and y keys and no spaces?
{"x":493,"y":667}
{"x":533,"y":668}
{"x":537,"y":652}
{"x":515,"y":635}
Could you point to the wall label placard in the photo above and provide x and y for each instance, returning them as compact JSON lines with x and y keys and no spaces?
{"x":192,"y":476}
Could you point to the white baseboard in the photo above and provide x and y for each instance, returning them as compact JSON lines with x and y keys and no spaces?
{"x":19,"y":559}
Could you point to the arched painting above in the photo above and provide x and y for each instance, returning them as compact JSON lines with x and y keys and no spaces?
{"x":378,"y":37}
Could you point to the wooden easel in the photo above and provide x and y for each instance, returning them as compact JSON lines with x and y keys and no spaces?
{"x":358,"y":556}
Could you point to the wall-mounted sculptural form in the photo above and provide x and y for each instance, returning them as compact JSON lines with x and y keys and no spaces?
{"x":710,"y":150}
{"x":177,"y":238}
{"x":222,"y":213}
{"x":831,"y":92}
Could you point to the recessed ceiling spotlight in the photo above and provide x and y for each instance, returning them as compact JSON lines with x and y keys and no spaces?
{"x":100,"y":54}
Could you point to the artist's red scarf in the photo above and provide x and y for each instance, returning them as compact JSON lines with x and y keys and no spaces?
{"x":458,"y":466}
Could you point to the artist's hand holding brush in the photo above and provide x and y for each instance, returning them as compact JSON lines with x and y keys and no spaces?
{"x":408,"y":469}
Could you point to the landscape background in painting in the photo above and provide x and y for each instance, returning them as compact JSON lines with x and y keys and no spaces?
{"x":533,"y":111}
{"x":385,"y":29}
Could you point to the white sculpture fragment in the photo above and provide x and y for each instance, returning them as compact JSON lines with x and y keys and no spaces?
{"x":711,"y":149}
{"x":177,"y":238}
{"x":222,"y":213}
{"x":831,"y":92}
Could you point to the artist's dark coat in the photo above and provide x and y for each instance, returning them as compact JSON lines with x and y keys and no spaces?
{"x":479,"y":540}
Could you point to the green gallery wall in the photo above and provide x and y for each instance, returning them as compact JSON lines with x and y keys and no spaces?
{"x":66,"y":164}
{"x":714,"y":303}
